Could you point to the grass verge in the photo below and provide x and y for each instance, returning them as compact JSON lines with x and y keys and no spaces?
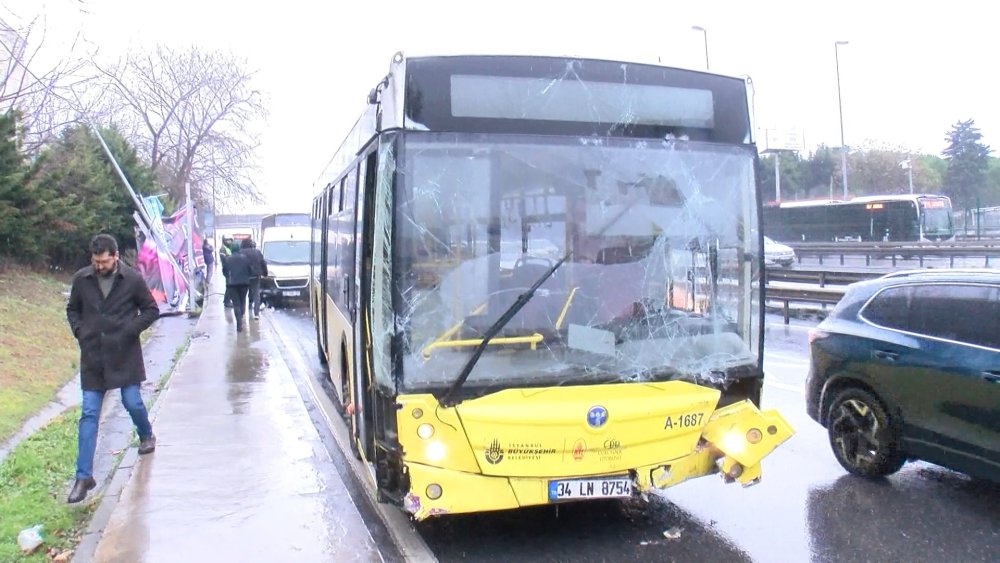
{"x":33,"y":486}
{"x":38,"y":355}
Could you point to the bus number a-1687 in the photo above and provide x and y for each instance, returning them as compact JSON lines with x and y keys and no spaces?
{"x":692,"y":420}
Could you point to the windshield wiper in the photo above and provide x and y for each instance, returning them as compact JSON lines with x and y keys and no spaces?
{"x":450,"y":398}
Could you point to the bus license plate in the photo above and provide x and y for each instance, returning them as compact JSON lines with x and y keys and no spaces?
{"x":290,"y":293}
{"x":608,"y":487}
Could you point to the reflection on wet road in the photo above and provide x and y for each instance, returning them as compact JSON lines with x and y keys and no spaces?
{"x":238,"y":468}
{"x":805,"y":509}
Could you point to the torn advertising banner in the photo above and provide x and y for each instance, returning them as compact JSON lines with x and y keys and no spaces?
{"x":164,"y":268}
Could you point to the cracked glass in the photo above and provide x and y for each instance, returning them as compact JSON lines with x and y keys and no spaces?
{"x":659,"y":279}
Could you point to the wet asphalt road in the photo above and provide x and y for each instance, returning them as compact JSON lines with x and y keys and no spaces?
{"x":805,"y":509}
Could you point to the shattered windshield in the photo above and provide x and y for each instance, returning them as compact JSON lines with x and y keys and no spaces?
{"x":659,"y":282}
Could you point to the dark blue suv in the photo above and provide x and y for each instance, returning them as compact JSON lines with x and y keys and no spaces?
{"x":907,"y":366}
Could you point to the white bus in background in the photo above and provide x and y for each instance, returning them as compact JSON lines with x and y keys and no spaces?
{"x":286,"y":250}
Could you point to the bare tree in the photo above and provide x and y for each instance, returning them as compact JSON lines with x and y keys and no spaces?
{"x":43,"y":95}
{"x":190,"y":113}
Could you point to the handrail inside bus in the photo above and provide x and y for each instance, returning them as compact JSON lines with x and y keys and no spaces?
{"x":449,"y":333}
{"x":533,"y":339}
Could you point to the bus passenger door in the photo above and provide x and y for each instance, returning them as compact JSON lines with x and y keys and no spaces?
{"x":320,"y":258}
{"x":362,"y":385}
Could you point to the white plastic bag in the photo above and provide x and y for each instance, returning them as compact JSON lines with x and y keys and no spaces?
{"x":30,"y":538}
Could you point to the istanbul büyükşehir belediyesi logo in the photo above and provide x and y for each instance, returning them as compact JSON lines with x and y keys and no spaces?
{"x":494,"y":453}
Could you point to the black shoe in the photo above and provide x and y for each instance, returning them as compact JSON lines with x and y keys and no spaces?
{"x":148,"y":445}
{"x":80,"y":489}
{"x":239,"y":326}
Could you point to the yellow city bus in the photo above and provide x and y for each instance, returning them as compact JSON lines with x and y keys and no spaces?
{"x":537,"y":280}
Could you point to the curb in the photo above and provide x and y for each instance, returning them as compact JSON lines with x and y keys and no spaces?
{"x":400,"y":528}
{"x":121,"y":475}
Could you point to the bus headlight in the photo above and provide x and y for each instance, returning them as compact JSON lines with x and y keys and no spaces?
{"x":425,"y":431}
{"x":435,"y":452}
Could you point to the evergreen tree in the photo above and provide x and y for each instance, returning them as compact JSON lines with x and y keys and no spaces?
{"x":968,"y":161}
{"x":76,"y":193}
{"x":12,"y":188}
{"x":793,"y":176}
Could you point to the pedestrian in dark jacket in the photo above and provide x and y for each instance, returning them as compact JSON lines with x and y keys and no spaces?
{"x":225,"y":251}
{"x":208,"y":252}
{"x":109,"y":306}
{"x":236,"y":268}
{"x":258,"y":269}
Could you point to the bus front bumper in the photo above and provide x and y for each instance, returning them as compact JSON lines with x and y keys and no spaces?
{"x":733,"y":443}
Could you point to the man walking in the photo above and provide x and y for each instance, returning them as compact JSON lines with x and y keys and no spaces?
{"x":109,"y":307}
{"x":208,"y":252}
{"x":258,"y":269}
{"x":225,"y":251}
{"x":236,"y":268}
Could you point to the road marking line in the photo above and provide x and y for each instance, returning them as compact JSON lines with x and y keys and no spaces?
{"x":785,"y":387}
{"x":768,"y":366}
{"x":783,"y":356}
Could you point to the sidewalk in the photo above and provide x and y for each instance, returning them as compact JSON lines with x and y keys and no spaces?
{"x":239,"y":472}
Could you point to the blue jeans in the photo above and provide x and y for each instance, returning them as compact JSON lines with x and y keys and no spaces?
{"x":90,"y":416}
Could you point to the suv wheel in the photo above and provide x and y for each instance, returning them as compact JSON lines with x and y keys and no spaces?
{"x":862,"y":435}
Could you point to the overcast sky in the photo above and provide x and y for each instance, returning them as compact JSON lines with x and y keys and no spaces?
{"x":907,"y":75}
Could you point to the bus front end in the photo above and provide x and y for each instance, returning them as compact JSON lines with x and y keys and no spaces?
{"x":526,"y":447}
{"x":571,"y":318}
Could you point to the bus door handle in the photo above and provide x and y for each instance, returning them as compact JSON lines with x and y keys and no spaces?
{"x":346,"y":287}
{"x":886,"y":355}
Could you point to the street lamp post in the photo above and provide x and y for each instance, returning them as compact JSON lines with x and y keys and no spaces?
{"x":840,"y":105}
{"x":704,"y":34}
{"x":909,"y":173}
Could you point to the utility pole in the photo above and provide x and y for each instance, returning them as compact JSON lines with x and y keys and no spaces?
{"x":909,"y":173}
{"x":190,"y":246}
{"x":704,"y":33}
{"x":840,"y":105}
{"x":777,"y":176}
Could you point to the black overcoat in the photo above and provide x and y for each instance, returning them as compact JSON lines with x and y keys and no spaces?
{"x":108,"y":328}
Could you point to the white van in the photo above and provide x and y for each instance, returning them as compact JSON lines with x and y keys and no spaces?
{"x":286,"y":250}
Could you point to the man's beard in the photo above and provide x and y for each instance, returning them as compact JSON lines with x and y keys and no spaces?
{"x":109,"y":272}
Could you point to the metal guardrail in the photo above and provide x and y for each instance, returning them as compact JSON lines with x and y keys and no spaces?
{"x":788,"y":295}
{"x":821,"y":278}
{"x":900,"y":250}
{"x":840,"y":278}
